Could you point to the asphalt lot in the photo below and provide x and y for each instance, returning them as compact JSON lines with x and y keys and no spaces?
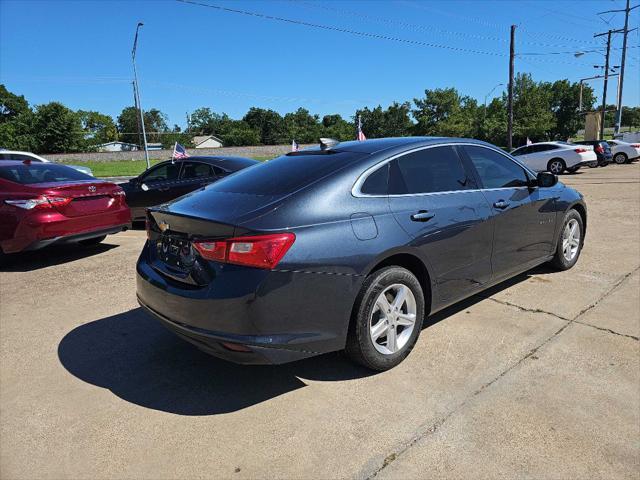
{"x":536,"y":378}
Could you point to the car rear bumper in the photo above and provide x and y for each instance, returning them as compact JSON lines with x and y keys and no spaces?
{"x":276,"y":316}
{"x":40,"y":229}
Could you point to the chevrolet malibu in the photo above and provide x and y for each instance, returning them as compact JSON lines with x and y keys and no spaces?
{"x":349,"y":247}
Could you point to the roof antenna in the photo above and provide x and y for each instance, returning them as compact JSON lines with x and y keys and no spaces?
{"x":328,"y":143}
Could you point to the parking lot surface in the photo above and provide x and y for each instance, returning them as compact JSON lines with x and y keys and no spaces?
{"x":538,"y":377}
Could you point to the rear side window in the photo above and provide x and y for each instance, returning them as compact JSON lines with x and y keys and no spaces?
{"x":168,"y":171}
{"x":496,"y":170}
{"x":192,"y":170}
{"x":285,"y":174}
{"x":377,"y":183}
{"x":437,"y":169}
{"x":41,"y":173}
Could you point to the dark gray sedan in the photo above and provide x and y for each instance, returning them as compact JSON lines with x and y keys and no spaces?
{"x":350,"y":246}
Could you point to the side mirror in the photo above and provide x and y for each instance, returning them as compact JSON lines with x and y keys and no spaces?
{"x":546,"y":179}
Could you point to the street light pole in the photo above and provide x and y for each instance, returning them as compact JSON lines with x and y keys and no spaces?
{"x":137,"y":93}
{"x":512,"y":56}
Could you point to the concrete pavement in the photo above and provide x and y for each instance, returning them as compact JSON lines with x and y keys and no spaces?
{"x":538,"y":377}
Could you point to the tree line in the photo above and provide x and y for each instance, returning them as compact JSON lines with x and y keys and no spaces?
{"x":542,"y":111}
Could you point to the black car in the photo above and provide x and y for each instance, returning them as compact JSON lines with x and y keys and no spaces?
{"x":602,"y":149}
{"x":171,"y":179}
{"x":350,"y":247}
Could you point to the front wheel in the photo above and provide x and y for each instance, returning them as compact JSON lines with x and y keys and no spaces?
{"x":387,"y":319}
{"x":620,"y":158}
{"x":556,"y":166}
{"x":92,"y":241}
{"x":570,"y":241}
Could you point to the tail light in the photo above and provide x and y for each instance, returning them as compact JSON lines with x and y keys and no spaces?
{"x":635,"y":145}
{"x":39,"y":202}
{"x":260,"y":251}
{"x":599,"y":149}
{"x":581,"y":150}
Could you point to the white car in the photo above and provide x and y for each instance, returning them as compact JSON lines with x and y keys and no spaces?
{"x":15,"y":155}
{"x":624,"y":152}
{"x":555,"y":157}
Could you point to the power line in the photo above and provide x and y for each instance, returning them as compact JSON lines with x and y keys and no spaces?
{"x":341,"y":30}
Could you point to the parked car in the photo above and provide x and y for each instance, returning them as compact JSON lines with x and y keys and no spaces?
{"x":602,"y":149}
{"x":624,"y":152}
{"x":349,"y":247}
{"x":46,"y":203}
{"x":555,"y":157}
{"x":171,"y":179}
{"x":15,"y":155}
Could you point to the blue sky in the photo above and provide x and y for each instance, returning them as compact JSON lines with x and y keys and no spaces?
{"x":189,"y":56}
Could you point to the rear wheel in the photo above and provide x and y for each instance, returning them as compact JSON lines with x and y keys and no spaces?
{"x":92,"y":241}
{"x":620,"y":158}
{"x":573,"y":169}
{"x":570,"y":241}
{"x":387,"y":319}
{"x":556,"y":166}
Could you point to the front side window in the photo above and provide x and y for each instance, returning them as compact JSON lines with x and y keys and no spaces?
{"x":191,"y":170}
{"x":496,"y":170}
{"x":437,"y":169}
{"x":168,"y":171}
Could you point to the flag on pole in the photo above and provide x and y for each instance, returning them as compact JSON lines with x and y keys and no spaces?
{"x":179,"y":152}
{"x":294,"y":146}
{"x":361,"y":136}
{"x":529,"y":142}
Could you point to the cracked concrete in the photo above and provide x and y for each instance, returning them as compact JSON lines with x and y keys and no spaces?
{"x":540,"y":379}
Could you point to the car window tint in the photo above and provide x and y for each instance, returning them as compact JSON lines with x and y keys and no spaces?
{"x":377,"y":183}
{"x":437,"y":169}
{"x":285,"y":174}
{"x":168,"y":171}
{"x":41,"y":173}
{"x":496,"y":170}
{"x":521,"y":151}
{"x":196,"y":170}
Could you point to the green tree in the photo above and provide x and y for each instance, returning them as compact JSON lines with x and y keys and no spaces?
{"x":397,"y":120}
{"x":373,"y":122}
{"x":269,"y":124}
{"x":444,"y":112}
{"x":631,"y":116}
{"x":98,"y":127}
{"x":155,"y":124}
{"x":11,"y":105}
{"x":532,"y":114}
{"x":57,"y":129}
{"x":240,"y":134}
{"x":302,"y":126}
{"x":564,"y":103}
{"x":334,"y":126}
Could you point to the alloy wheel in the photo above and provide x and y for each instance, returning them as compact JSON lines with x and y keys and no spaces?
{"x":393,"y":319}
{"x":556,"y":167}
{"x":571,"y":239}
{"x":619,"y":158}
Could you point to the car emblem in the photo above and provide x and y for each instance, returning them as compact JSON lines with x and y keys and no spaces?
{"x":163,"y":226}
{"x":92,"y":189}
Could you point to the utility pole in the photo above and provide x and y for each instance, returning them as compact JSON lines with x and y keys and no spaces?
{"x":625,"y":32}
{"x":512,"y":56}
{"x":606,"y":78}
{"x":137,"y":90}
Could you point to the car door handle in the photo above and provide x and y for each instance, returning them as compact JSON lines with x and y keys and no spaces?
{"x":422,"y":216}
{"x":501,"y":204}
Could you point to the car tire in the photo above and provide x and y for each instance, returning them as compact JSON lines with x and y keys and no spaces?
{"x":92,"y":241}
{"x":568,"y":247}
{"x":556,"y":166}
{"x":385,"y":295}
{"x":572,"y":170}
{"x":620,"y":158}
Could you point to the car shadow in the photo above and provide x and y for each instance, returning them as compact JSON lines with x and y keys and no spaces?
{"x":140,"y":361}
{"x":51,"y":256}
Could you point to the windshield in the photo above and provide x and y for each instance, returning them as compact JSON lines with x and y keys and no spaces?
{"x":284,"y":174}
{"x":40,"y":173}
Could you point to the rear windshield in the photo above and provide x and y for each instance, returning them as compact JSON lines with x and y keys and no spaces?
{"x":284,"y":174}
{"x":40,"y":173}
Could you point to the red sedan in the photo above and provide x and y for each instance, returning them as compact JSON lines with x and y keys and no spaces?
{"x":44,"y":203}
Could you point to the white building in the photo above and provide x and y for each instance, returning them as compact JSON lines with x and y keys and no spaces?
{"x":207,"y":141}
{"x":117,"y":147}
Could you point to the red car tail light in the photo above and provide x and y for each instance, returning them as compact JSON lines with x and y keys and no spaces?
{"x":581,"y":150}
{"x":260,"y":251}
{"x":39,"y":202}
{"x":599,"y":149}
{"x":635,"y":145}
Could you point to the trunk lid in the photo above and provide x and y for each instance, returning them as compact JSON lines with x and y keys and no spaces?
{"x":86,"y":197}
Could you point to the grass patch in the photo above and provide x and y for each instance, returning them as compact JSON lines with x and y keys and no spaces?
{"x":126,"y":168}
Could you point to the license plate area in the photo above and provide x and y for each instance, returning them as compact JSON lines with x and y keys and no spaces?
{"x":176,"y":252}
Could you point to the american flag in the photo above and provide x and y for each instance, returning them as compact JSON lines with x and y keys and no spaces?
{"x":361,"y":136}
{"x":294,"y":146}
{"x":179,"y":152}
